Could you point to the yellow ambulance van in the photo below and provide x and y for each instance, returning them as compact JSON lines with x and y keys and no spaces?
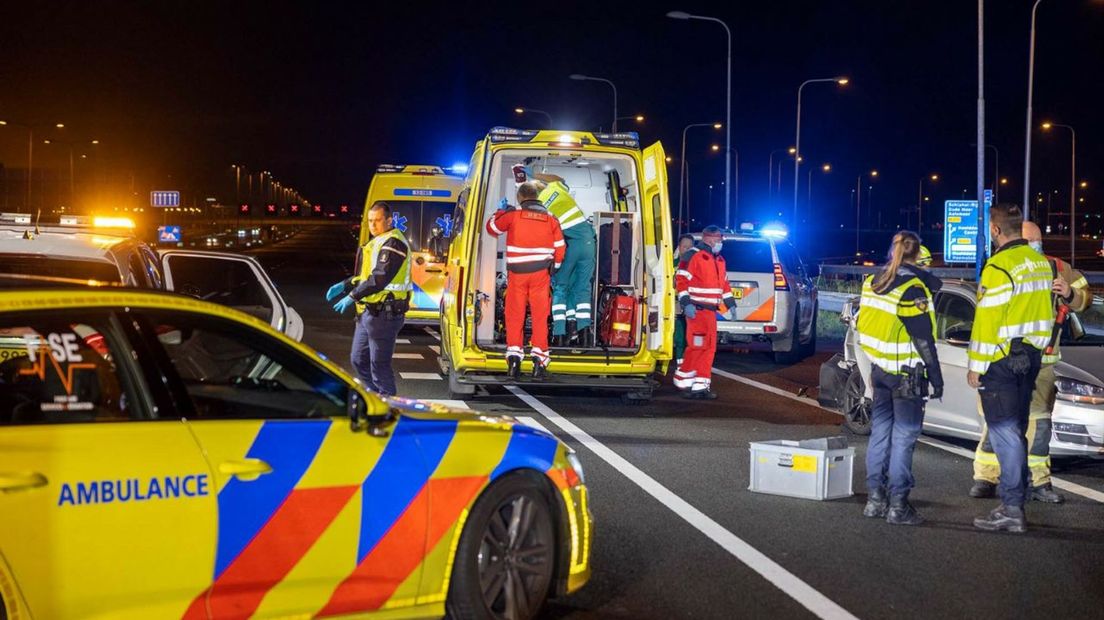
{"x":422,"y":200}
{"x":623,"y":192}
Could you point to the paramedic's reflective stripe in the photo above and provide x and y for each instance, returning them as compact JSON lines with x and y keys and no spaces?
{"x":559,"y":312}
{"x":525,"y":250}
{"x":986,"y":350}
{"x":572,"y":217}
{"x":621,"y":327}
{"x":582,"y":311}
{"x":998,"y":299}
{"x":491,"y":223}
{"x":515,"y":352}
{"x":712,"y":301}
{"x":694,"y":289}
{"x":684,"y":273}
{"x":541,"y":355}
{"x":1080,"y":283}
{"x":536,"y":258}
{"x":710,"y":296}
{"x":684,"y":379}
{"x":1026,"y":330}
{"x":559,"y":244}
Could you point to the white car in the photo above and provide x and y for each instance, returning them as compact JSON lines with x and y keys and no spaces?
{"x":113,"y":256}
{"x":1078,"y":417}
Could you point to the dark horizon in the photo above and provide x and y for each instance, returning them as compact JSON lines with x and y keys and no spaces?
{"x":321,"y":95}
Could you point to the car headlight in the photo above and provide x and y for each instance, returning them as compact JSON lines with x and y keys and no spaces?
{"x":576,"y":464}
{"x":1079,"y":391}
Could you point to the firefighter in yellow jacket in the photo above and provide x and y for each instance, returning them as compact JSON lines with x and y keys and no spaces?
{"x":1071,"y":288}
{"x":1012,"y":326}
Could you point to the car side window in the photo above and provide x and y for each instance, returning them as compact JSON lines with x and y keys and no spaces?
{"x":138,"y":276}
{"x":790,"y":260}
{"x":954,"y":314}
{"x":234,"y":371}
{"x":57,"y":368}
{"x":458,"y":214}
{"x":230,"y":283}
{"x":153,"y":271}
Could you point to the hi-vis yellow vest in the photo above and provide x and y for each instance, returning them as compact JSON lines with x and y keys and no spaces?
{"x":557,"y":199}
{"x":882,"y":335}
{"x":400,"y":286}
{"x":1013,"y":302}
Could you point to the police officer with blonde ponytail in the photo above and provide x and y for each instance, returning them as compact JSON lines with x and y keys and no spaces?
{"x":896,"y":326}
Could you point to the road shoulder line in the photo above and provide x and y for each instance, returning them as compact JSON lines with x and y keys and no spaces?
{"x":787,"y":582}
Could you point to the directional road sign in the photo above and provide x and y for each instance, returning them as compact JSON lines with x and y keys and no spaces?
{"x":165,"y":199}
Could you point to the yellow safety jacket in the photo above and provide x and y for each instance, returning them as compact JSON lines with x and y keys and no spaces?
{"x":1013,"y":302}
{"x":882,"y":335}
{"x":399,"y":286}
{"x":557,"y":199}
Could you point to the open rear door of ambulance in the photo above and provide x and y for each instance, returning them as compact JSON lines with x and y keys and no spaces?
{"x":659,"y":321}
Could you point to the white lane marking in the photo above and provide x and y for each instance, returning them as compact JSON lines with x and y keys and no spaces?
{"x":402,"y":341}
{"x":432,"y":332}
{"x":436,"y":349}
{"x":532,"y":422}
{"x":455,"y":404}
{"x":784,"y":580}
{"x":1066,"y":485}
{"x":407,"y":356}
{"x":428,"y":376}
{"x":769,"y":388}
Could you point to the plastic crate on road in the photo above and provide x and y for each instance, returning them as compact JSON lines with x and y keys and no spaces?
{"x":811,"y":469}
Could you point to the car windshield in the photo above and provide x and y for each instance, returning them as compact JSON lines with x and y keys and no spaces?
{"x":66,"y":269}
{"x":750,"y":255}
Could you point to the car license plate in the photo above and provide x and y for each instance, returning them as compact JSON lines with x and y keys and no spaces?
{"x":738,"y":293}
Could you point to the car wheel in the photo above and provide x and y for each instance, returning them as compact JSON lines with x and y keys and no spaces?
{"x":808,"y":348}
{"x":506,"y":556}
{"x":856,"y":407}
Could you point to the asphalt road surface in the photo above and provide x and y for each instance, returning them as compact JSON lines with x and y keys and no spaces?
{"x":678,"y":534}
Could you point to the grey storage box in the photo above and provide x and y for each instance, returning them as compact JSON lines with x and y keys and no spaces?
{"x":811,"y":469}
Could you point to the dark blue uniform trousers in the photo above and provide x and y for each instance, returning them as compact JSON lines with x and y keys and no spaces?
{"x":373,"y":346}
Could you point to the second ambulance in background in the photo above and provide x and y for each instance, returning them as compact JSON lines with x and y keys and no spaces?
{"x":422,"y":198}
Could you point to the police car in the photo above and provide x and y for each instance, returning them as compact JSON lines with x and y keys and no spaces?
{"x":161,"y":456}
{"x":776,"y":299}
{"x":104,"y":251}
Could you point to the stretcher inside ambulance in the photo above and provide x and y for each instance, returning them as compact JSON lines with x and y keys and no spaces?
{"x":622,"y":194}
{"x":422,"y":200}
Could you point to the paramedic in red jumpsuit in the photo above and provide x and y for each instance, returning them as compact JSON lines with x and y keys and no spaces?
{"x":703,"y":290}
{"x":534,"y":248}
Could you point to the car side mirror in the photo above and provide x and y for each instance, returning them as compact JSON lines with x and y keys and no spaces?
{"x":361,"y":420}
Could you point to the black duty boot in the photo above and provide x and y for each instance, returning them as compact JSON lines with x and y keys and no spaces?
{"x":1046,"y":494}
{"x":876,"y":504}
{"x":540,"y":373}
{"x":983,"y":489}
{"x":901,"y":512}
{"x":1004,"y":517}
{"x":699,"y":395}
{"x":513,"y":368}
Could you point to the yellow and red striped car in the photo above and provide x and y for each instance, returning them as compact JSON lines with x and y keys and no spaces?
{"x":166,"y":457}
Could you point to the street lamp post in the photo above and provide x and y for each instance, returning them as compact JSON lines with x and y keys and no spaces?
{"x":728,"y":98}
{"x":1073,"y":189}
{"x":842,"y":81}
{"x":920,"y":202}
{"x":581,"y":77}
{"x":30,"y":152}
{"x":858,"y":205}
{"x":520,"y":110}
{"x":683,"y":171}
{"x":1027,"y":132}
{"x":72,"y":146}
{"x":770,"y":172}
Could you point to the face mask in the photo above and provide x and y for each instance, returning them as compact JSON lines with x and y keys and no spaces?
{"x":1036,"y":245}
{"x":717,"y":247}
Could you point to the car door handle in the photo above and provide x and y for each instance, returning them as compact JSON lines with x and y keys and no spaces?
{"x":21,"y":480}
{"x":245,"y":469}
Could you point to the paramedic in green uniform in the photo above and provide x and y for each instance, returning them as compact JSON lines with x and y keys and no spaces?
{"x":573,"y":284}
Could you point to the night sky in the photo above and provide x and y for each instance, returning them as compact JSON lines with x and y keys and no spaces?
{"x":177,"y":91}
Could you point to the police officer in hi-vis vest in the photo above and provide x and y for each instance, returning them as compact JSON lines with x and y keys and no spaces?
{"x":380,"y":290}
{"x":1012,"y":326}
{"x":896,"y":327}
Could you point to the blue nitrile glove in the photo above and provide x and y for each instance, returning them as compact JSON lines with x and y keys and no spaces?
{"x":343,"y":304}
{"x":528,"y":171}
{"x":690,"y":311}
{"x":335,"y":291}
{"x":502,"y":204}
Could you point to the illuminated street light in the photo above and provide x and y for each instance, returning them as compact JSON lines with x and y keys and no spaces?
{"x":919,"y":202}
{"x":715,"y":147}
{"x":1073,"y":185}
{"x":1084,"y":184}
{"x":828,"y":168}
{"x":839,"y":80}
{"x":521,"y":110}
{"x":683,"y":15}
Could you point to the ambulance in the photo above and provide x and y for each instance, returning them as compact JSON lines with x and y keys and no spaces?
{"x":422,"y":199}
{"x":623,"y":192}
